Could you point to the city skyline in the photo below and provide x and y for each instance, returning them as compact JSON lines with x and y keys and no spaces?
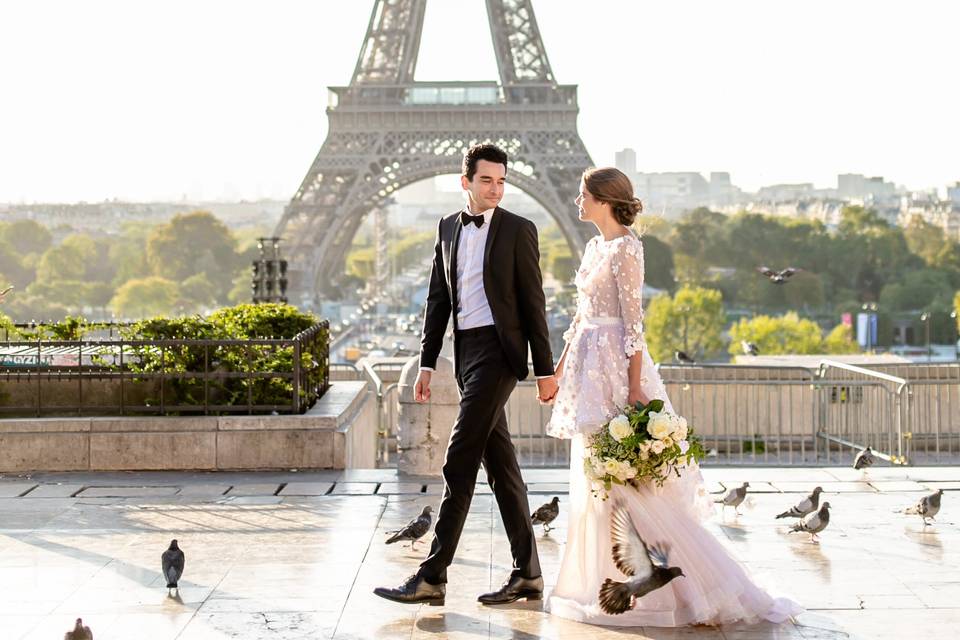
{"x":157,"y":102}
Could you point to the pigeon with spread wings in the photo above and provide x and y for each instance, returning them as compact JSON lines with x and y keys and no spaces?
{"x":646,"y":567}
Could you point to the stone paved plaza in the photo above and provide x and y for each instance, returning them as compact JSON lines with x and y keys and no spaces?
{"x":296,"y":555}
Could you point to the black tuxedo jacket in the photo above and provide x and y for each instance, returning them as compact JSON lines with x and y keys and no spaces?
{"x":513,"y":286}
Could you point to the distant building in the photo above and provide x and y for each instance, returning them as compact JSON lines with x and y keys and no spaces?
{"x":953,"y":194}
{"x":626,"y":161}
{"x":854,"y":186}
{"x":782,"y":192}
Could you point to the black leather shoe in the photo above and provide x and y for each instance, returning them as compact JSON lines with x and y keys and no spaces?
{"x":415,"y":590}
{"x":513,"y":589}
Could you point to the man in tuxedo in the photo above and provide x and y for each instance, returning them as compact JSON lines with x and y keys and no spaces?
{"x":486,"y":274}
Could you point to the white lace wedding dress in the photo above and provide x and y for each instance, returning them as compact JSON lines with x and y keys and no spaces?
{"x":606,"y":330}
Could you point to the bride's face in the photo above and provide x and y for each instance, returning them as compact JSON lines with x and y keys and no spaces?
{"x":589,"y":208}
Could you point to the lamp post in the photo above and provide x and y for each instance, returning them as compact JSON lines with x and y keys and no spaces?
{"x":925,"y":319}
{"x":871,"y":309}
{"x":956,"y":334}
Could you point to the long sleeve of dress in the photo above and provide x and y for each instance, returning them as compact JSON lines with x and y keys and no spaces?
{"x":627,"y":267}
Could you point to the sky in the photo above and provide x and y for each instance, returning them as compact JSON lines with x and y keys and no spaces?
{"x":225,"y":99}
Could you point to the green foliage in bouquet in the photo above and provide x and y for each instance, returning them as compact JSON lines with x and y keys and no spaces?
{"x":643,"y":444}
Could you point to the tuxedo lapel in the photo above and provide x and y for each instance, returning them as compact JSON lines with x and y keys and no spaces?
{"x":491,"y":234}
{"x":452,"y":274}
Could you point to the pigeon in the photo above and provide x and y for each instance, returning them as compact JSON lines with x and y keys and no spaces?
{"x":79,"y":632}
{"x":928,"y":507}
{"x":814,"y":522}
{"x":646,"y":567}
{"x":749,"y":348}
{"x":734,"y":497}
{"x":414,"y":530}
{"x":172,"y":564}
{"x":808,"y":505}
{"x":546,"y":514}
{"x":3,"y":294}
{"x":778,"y":277}
{"x":864,"y":459}
{"x":683,"y":357}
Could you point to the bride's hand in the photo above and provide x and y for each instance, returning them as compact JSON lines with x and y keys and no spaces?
{"x":637,"y":396}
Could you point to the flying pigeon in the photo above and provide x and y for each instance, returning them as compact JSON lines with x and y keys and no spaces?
{"x":645,"y":566}
{"x":864,"y":459}
{"x":734,"y":497}
{"x":683,"y":357}
{"x":546,"y":514}
{"x":749,"y":348}
{"x":3,"y":294}
{"x":928,"y":507}
{"x":414,"y":530}
{"x":808,"y":505}
{"x":172,"y":564}
{"x":79,"y":632}
{"x":778,"y":277}
{"x":814,"y":522}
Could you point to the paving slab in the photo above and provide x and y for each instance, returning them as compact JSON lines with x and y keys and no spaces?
{"x":829,"y":487}
{"x":203,"y":490}
{"x":254,"y":489}
{"x":354,"y":488}
{"x":55,"y":491}
{"x":393,"y":488}
{"x":306,"y":489}
{"x":897,"y":486}
{"x":15,"y":489}
{"x":127,"y":492}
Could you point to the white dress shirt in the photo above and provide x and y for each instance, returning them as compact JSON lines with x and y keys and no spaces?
{"x":472,"y":310}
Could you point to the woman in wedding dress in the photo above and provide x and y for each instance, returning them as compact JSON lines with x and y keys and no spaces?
{"x":605,"y":365}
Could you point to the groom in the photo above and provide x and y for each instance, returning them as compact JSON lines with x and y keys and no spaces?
{"x":486,"y":274}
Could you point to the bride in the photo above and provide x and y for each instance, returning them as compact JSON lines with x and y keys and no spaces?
{"x":605,"y":365}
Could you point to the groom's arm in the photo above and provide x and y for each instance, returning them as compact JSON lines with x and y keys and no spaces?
{"x":436,"y":315}
{"x":530,"y":299}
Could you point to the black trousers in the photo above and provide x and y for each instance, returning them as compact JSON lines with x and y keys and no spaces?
{"x":480,"y":435}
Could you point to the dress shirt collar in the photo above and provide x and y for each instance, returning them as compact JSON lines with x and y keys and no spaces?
{"x":487,"y":215}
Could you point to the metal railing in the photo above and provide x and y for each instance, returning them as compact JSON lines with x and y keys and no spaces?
{"x":771,"y":415}
{"x":164,"y":377}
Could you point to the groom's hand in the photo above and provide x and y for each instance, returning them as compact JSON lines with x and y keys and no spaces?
{"x":421,"y":390}
{"x":547,"y":389}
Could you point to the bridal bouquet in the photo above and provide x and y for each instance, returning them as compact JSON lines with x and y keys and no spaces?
{"x":642,"y":444}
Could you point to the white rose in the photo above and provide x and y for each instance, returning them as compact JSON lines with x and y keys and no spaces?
{"x":660,"y":425}
{"x":597,"y":466}
{"x":629,"y":471}
{"x":657,"y":447}
{"x":620,"y":428}
{"x":680,"y":428}
{"x":644,"y":454}
{"x":667,"y":442}
{"x":611,"y":466}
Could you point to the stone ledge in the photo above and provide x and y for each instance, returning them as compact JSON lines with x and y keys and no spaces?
{"x":338,"y":432}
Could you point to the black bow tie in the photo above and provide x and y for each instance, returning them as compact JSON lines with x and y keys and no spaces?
{"x":466,"y":218}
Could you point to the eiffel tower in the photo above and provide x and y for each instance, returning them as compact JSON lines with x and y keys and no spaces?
{"x":387,"y":131}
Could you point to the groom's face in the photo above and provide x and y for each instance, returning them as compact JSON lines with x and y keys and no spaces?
{"x":486,"y":189}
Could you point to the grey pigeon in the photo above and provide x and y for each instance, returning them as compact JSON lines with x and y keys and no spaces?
{"x":172,"y":562}
{"x":864,"y":459}
{"x":414,"y":530}
{"x":815,"y":522}
{"x":778,"y":277}
{"x":645,"y":566}
{"x":928,"y":507}
{"x":749,"y":348}
{"x":79,"y":632}
{"x":546,"y":514}
{"x":734,"y":497}
{"x":808,"y":505}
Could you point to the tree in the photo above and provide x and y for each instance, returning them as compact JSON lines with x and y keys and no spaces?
{"x":197,"y":292}
{"x":691,"y":321}
{"x":194,"y":243}
{"x":840,"y":340}
{"x":145,"y":297}
{"x":658,"y":263}
{"x":26,"y":236}
{"x":786,"y":334}
{"x":695,"y":240}
{"x":922,"y":289}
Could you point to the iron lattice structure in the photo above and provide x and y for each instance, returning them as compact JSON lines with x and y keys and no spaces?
{"x":387,"y":131}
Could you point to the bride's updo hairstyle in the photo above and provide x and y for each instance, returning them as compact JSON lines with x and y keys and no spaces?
{"x":612,"y":186}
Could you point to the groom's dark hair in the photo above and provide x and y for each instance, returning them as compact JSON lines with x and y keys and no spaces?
{"x":485,"y":151}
